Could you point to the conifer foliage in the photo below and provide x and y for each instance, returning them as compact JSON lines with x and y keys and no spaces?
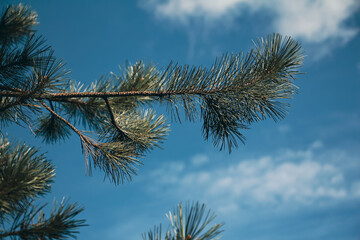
{"x":187,"y":223}
{"x":114,"y":117}
{"x":236,"y":91}
{"x":24,"y":176}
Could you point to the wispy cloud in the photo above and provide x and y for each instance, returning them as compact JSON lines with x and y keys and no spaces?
{"x":199,"y":159}
{"x":300,"y":177}
{"x":181,"y":10}
{"x":316,"y":21}
{"x":311,"y":20}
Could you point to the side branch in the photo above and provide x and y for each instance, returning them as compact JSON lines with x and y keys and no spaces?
{"x":10,"y":88}
{"x":82,"y":136}
{"x":88,"y":146}
{"x":12,"y":233}
{"x":113,"y":117}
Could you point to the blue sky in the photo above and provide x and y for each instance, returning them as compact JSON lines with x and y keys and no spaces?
{"x":295,"y":179}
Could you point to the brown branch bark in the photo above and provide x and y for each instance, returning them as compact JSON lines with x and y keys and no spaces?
{"x":8,"y":234}
{"x":82,"y":136}
{"x":58,"y":96}
{"x":10,"y":88}
{"x":112,"y":116}
{"x":88,"y":146}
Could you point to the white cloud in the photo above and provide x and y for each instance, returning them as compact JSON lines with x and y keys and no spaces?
{"x":173,"y":170}
{"x":182,"y":9}
{"x":199,"y":159}
{"x":313,"y":21}
{"x":316,"y":21}
{"x":317,"y":144}
{"x":312,"y":176}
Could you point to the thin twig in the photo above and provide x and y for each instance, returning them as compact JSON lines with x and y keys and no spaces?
{"x":88,"y":146}
{"x":10,"y":88}
{"x":111,"y":113}
{"x":82,"y":136}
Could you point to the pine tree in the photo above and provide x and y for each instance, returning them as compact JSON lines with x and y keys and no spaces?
{"x":116,"y":112}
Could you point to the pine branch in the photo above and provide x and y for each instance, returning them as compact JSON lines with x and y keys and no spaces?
{"x":59,"y":225}
{"x":51,"y":128}
{"x":142,"y":130}
{"x":17,"y":61}
{"x":23,"y":175}
{"x":64,"y":120}
{"x":16,"y":22}
{"x":236,"y":91}
{"x":193,"y":223}
{"x":112,"y":117}
{"x":116,"y":159}
{"x":87,"y":144}
{"x":65,"y":96}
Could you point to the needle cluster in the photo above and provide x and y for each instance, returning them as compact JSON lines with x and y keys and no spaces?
{"x":188,"y":223}
{"x":25,"y":176}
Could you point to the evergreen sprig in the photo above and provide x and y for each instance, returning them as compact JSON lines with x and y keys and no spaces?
{"x":31,"y":223}
{"x":17,"y":22}
{"x":189,"y":224}
{"x":24,"y":176}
